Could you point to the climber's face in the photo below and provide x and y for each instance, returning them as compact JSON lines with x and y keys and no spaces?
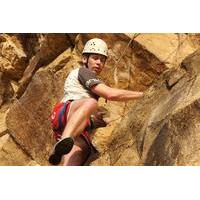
{"x":95,"y":62}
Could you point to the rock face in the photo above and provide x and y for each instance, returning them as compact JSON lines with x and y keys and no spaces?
{"x":6,"y":90}
{"x":13,"y":58}
{"x":33,"y":110}
{"x":48,"y":47}
{"x":163,"y":128}
{"x":12,"y":155}
{"x":139,"y":133}
{"x":171,"y":48}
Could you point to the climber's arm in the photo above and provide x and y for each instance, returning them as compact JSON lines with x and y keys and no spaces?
{"x":114,"y":94}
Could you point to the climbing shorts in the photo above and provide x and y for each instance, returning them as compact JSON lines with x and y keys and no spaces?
{"x":59,"y":121}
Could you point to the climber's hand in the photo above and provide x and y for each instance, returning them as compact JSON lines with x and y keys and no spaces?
{"x":98,"y":120}
{"x":99,"y":117}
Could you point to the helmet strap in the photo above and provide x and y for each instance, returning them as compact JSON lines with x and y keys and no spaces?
{"x":86,"y":64}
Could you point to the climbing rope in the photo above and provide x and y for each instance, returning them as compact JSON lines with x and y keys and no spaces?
{"x":117,"y":62}
{"x":116,"y":73}
{"x":174,"y":52}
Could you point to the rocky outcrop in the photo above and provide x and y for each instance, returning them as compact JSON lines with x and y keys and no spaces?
{"x":13,"y":59}
{"x":27,"y":98}
{"x":6,"y":90}
{"x":34,"y":107}
{"x":163,"y":128}
{"x":11,"y":153}
{"x":169,"y":48}
{"x":49,"y":47}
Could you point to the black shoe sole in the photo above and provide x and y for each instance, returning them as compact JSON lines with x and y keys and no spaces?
{"x":61,"y":148}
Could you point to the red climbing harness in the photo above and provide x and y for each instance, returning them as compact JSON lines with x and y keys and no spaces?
{"x":59,"y":120}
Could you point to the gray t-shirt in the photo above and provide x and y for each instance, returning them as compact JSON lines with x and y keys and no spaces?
{"x":78,"y":84}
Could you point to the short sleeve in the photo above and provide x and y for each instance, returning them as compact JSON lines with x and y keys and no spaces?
{"x":87,"y":78}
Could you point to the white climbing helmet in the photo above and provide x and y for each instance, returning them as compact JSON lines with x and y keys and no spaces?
{"x":96,"y":45}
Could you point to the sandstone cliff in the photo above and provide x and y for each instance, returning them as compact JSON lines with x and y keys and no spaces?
{"x":160,"y":129}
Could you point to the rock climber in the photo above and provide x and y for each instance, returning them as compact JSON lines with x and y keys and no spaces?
{"x":77,"y":114}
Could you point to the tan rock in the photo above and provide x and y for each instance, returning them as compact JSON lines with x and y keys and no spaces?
{"x":6,"y":91}
{"x":194,"y":39}
{"x":28,"y":119}
{"x":169,"y":48}
{"x":13,"y":58}
{"x":14,"y":85}
{"x":12,"y":155}
{"x":50,"y":46}
{"x":3,"y":126}
{"x":162,"y":129}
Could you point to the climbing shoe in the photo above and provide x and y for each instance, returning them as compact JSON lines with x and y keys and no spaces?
{"x":61,"y":148}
